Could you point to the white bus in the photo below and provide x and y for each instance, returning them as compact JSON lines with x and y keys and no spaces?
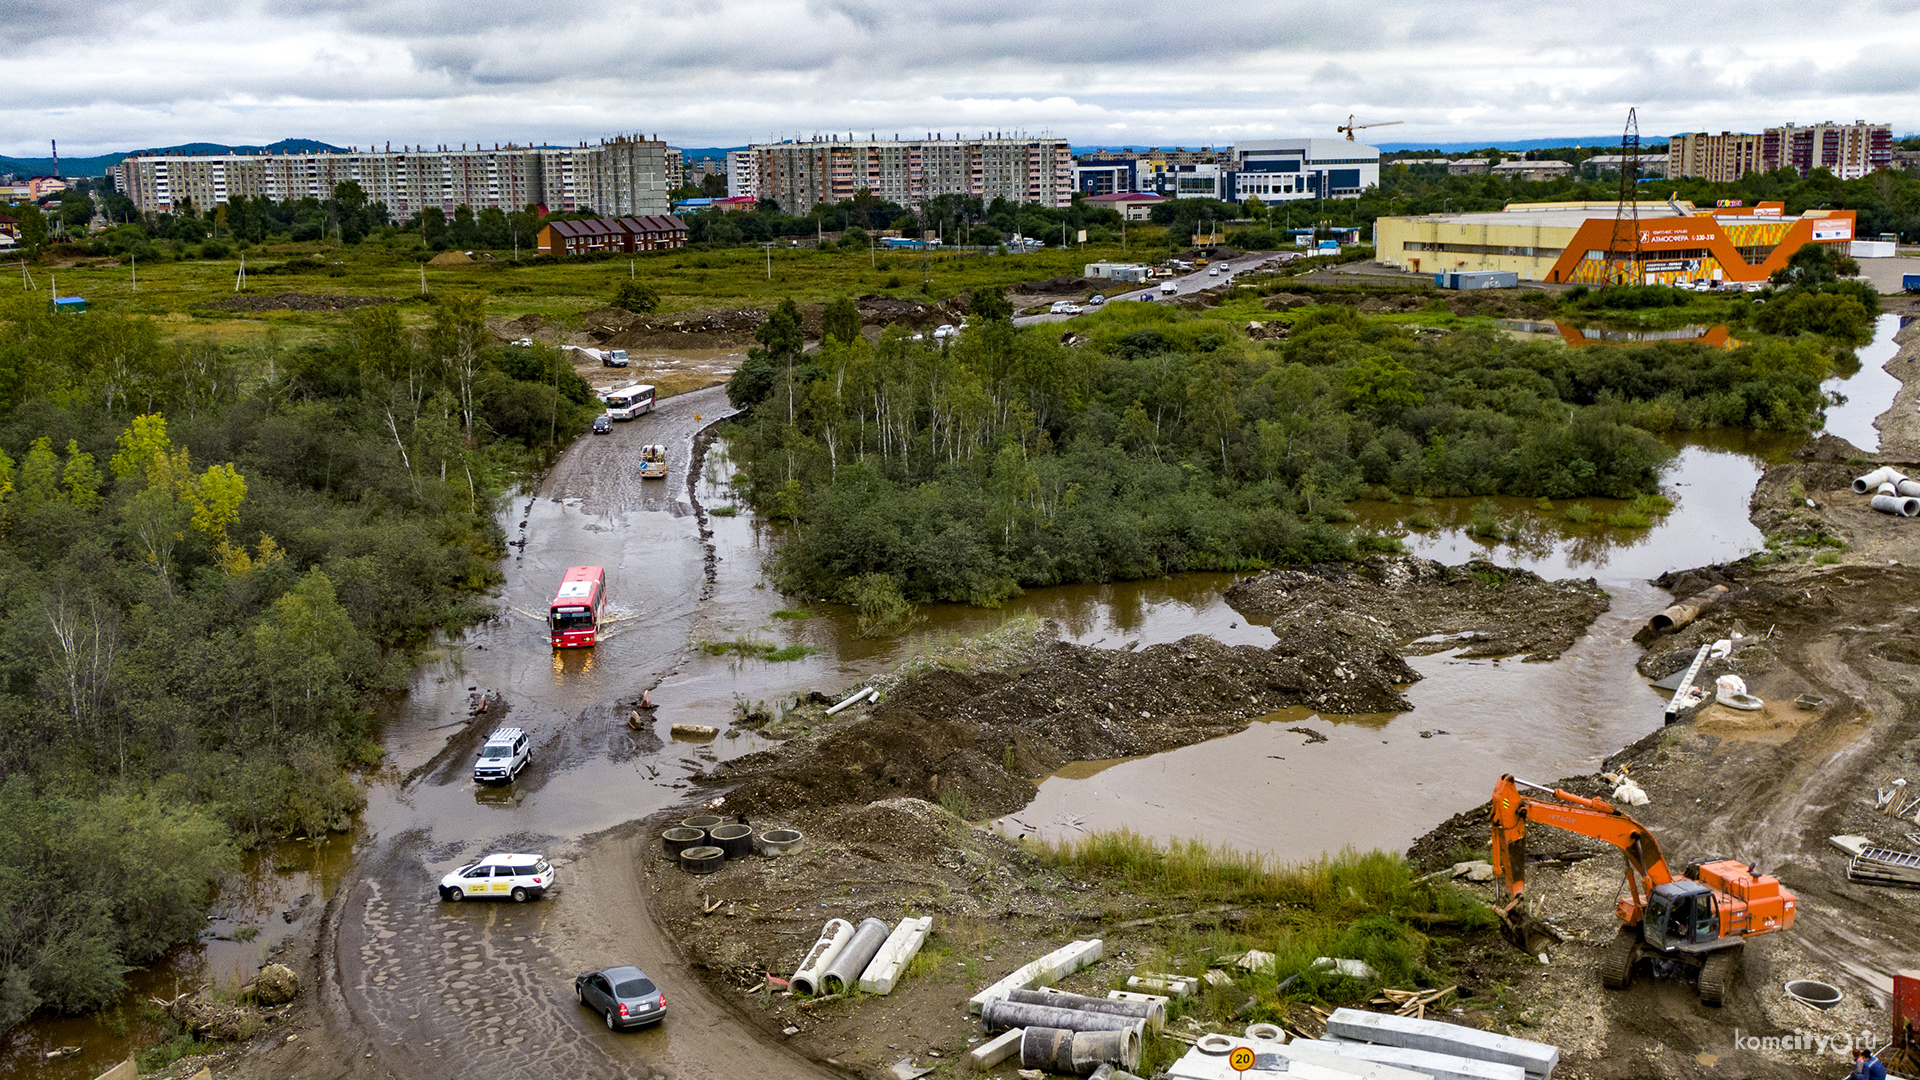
{"x":627,"y":402}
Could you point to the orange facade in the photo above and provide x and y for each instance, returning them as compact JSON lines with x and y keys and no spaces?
{"x":1735,"y":244}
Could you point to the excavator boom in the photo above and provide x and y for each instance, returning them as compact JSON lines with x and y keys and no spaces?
{"x":1646,"y":865}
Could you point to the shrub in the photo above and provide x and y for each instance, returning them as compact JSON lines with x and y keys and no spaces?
{"x":636,"y":297}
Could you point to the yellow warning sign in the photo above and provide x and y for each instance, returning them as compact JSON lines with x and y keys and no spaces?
{"x":1241,"y":1059}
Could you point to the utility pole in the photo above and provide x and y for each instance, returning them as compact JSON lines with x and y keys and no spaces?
{"x":423,"y":279}
{"x":133,"y":262}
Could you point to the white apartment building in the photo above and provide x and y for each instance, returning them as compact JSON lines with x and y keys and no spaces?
{"x":623,"y":175}
{"x":743,"y":174}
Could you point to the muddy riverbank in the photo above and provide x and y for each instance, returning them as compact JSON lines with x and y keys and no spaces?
{"x":973,"y":739}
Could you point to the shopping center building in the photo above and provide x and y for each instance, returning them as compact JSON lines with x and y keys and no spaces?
{"x":1569,"y":242}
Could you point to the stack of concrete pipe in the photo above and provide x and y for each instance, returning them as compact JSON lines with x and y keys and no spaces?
{"x":1079,"y":1053}
{"x":1892,"y":492}
{"x":1064,"y":1039}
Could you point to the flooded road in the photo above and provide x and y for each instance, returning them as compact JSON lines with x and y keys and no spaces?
{"x":1868,"y":391}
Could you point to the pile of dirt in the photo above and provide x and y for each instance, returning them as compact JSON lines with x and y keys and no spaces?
{"x":1402,"y":603}
{"x":615,"y":328}
{"x":295,"y":301}
{"x":1062,"y":284}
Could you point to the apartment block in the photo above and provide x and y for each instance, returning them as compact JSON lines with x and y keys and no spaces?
{"x":621,"y":176}
{"x":1849,"y":151}
{"x":743,"y":174}
{"x":802,"y":174}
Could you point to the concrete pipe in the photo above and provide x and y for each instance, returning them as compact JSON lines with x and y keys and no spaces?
{"x":706,"y":859}
{"x":1909,"y":488}
{"x":1885,"y":474}
{"x":1047,"y":1049}
{"x":680,"y":838}
{"x":735,"y":840}
{"x":1886,"y":489}
{"x":806,"y":977}
{"x":1078,"y":1053}
{"x":1684,"y":612}
{"x":1266,"y":1033}
{"x":780,"y":842}
{"x":1153,"y":1013}
{"x":845,"y":969}
{"x":1896,"y":504}
{"x":1000,"y":1014}
{"x":703,"y":822}
{"x":1817,"y":994}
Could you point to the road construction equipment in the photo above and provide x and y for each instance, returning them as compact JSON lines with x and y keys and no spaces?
{"x":1698,"y":923}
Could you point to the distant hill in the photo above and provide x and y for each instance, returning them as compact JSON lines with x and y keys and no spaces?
{"x":98,"y":166}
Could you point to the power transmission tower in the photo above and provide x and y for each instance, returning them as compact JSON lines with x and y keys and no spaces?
{"x":1623,"y":247}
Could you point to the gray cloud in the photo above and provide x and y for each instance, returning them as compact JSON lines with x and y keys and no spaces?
{"x":112,"y":75}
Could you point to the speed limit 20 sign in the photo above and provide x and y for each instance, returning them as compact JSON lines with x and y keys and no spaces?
{"x":1241,"y":1059}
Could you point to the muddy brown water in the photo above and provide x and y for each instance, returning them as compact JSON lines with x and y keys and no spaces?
{"x":433,"y":989}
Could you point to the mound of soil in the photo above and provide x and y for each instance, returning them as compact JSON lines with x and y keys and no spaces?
{"x":1401,"y":603}
{"x":294,"y":301}
{"x":1064,"y":284}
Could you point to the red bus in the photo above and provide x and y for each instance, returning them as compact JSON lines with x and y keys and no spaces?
{"x":574,"y":617}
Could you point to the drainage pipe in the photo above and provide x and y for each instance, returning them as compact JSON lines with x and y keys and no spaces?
{"x":1897,"y":504}
{"x":884,"y":970}
{"x":1886,"y":489}
{"x":1885,"y":474}
{"x":1909,"y":488}
{"x":856,"y":696}
{"x":1679,"y":615}
{"x":1078,"y":1053}
{"x":1152,"y":1012}
{"x":844,"y":970}
{"x":1000,"y":1014}
{"x":806,"y":977}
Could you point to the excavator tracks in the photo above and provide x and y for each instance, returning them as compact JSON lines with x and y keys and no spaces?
{"x":1616,"y":964}
{"x":1716,"y":976}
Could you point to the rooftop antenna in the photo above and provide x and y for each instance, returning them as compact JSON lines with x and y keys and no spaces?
{"x":1623,"y":246}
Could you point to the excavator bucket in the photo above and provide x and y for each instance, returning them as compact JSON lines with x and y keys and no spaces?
{"x":1526,"y":933}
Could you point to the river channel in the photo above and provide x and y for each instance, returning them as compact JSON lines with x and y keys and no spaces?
{"x":680,"y":577}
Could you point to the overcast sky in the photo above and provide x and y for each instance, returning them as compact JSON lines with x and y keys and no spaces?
{"x":113,"y":75}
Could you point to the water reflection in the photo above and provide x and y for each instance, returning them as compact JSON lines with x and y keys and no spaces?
{"x":1865,"y":391}
{"x":1579,"y":337}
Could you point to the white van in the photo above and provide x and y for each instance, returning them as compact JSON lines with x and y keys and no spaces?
{"x":1169,"y":288}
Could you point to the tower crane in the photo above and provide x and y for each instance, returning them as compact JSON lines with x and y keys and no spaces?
{"x":1350,"y":127}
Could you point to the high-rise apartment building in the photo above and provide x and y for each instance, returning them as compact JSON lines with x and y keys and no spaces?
{"x":1849,"y":151}
{"x":799,"y":175}
{"x":623,"y":175}
{"x":743,"y":174}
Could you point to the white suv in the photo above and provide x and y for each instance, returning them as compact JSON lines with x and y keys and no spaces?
{"x":506,"y":753}
{"x":519,"y":878}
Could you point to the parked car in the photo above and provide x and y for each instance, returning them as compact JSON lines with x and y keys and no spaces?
{"x":506,"y":752}
{"x":602,"y":425}
{"x":945,"y":330}
{"x":515,"y":877}
{"x":614,"y":358}
{"x":623,"y":995}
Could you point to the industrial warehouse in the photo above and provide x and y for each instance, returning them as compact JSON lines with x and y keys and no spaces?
{"x":1663,"y":243}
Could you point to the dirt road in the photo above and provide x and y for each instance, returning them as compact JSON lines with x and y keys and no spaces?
{"x":409,"y":986}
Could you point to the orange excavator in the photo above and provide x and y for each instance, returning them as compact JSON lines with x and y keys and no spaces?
{"x":1698,"y":922}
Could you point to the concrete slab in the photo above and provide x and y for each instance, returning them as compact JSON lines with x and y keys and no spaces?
{"x":1438,"y":1066}
{"x":1050,"y":968}
{"x":1439,"y":1037}
{"x":1127,"y":995}
{"x":1272,"y":1059}
{"x":996,"y":1050}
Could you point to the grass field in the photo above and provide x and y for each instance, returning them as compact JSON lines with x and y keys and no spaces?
{"x":178,"y":293}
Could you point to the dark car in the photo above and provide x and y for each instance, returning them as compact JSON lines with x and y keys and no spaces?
{"x":623,"y":995}
{"x":602,"y":425}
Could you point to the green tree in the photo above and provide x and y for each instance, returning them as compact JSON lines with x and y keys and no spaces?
{"x":990,"y":304}
{"x":33,"y":228}
{"x":39,"y":476}
{"x":1382,"y":386}
{"x":840,"y":321}
{"x":81,"y":477}
{"x":305,"y":649}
